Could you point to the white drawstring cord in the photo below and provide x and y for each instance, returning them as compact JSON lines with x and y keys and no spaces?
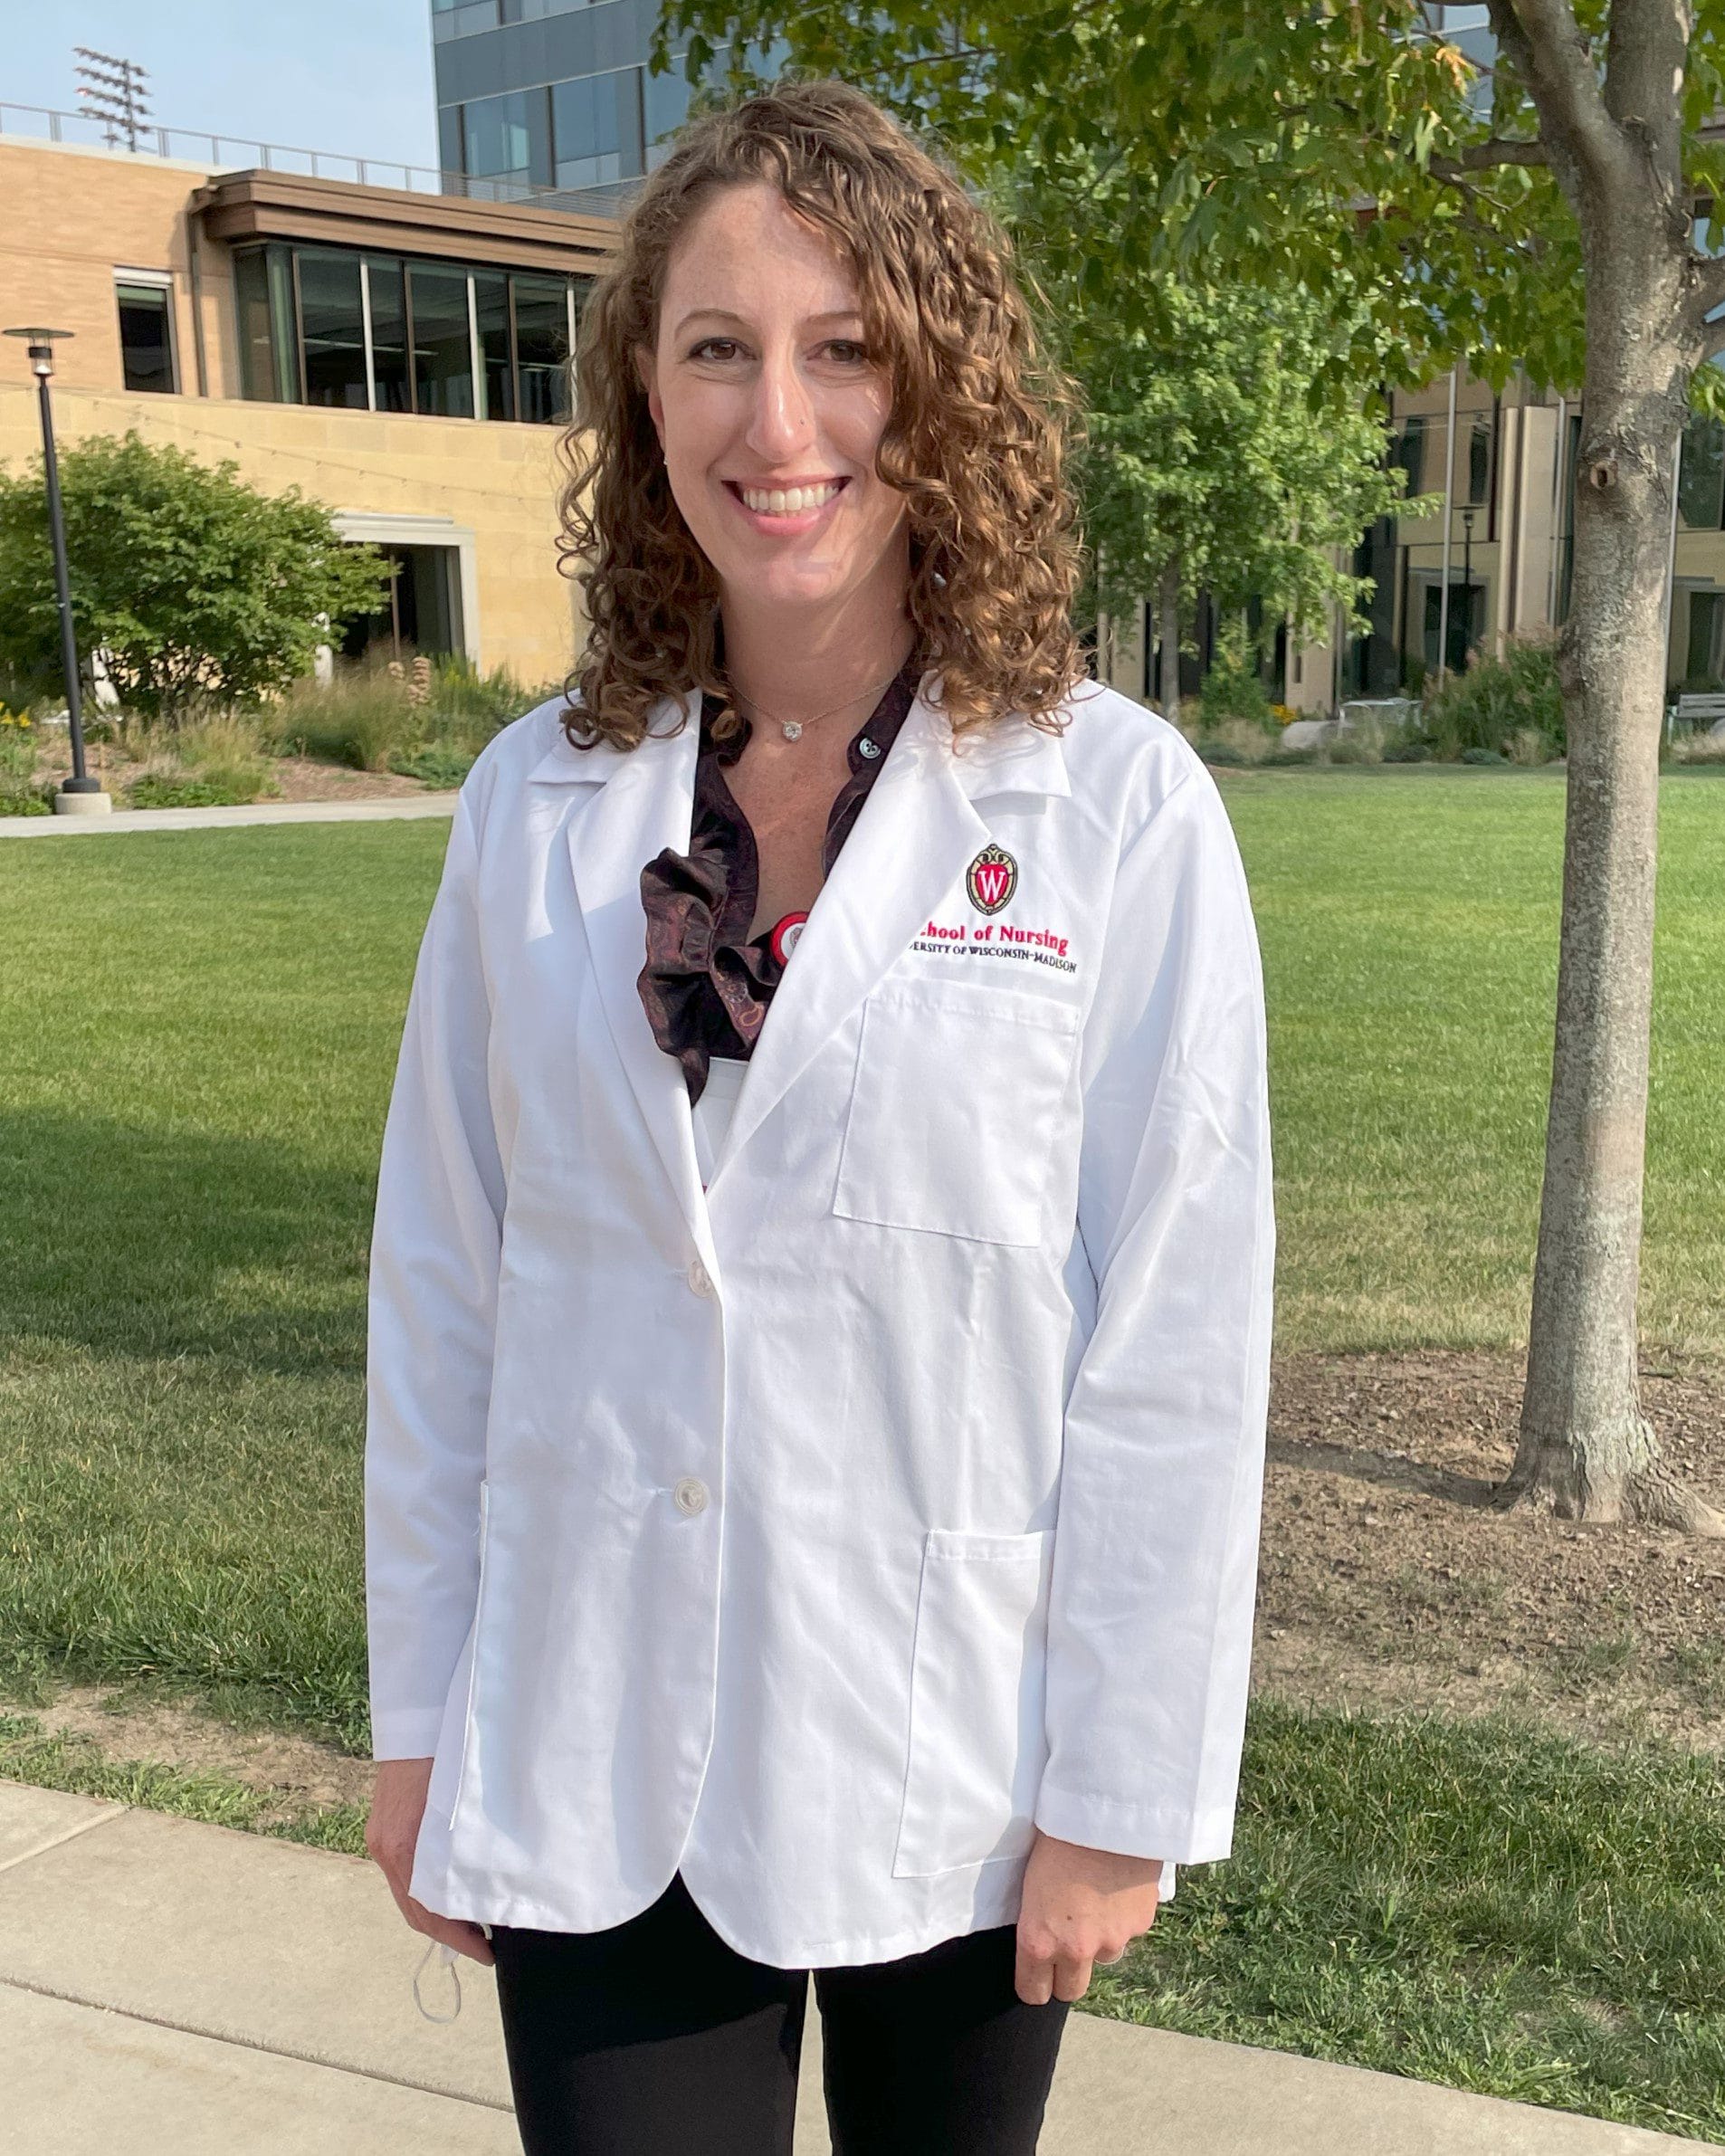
{"x":449,"y":1957}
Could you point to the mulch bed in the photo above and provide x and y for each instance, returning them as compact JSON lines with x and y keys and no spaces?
{"x":1388,"y":1579}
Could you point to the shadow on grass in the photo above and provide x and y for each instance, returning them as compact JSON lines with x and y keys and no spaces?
{"x":146,"y":1243}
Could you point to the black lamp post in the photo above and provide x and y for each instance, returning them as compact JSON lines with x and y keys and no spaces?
{"x":1467,"y":582}
{"x":80,"y":793}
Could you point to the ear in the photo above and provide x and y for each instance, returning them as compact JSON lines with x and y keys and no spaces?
{"x":646,"y":369}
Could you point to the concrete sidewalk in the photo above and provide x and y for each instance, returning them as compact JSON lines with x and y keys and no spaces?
{"x":215,"y":819}
{"x":173,"y":1990}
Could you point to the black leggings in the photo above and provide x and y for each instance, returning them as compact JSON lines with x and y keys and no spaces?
{"x":655,"y":2039}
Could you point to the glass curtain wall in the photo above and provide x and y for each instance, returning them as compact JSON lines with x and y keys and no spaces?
{"x":334,"y":327}
{"x":443,"y":340}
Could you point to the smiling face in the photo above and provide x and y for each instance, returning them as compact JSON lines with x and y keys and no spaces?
{"x":770,"y":409}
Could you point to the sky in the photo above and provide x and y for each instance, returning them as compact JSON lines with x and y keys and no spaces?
{"x":350,"y":76}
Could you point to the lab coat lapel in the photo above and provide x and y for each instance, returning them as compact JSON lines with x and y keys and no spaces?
{"x":918,"y":832}
{"x":638,"y":803}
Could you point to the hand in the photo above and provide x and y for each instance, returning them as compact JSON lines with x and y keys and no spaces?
{"x":392,"y":1835}
{"x":1078,"y":1906}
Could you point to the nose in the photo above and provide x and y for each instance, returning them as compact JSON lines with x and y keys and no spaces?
{"x":782,"y":423}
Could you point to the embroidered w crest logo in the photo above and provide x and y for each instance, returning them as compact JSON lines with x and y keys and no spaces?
{"x":992,"y":879}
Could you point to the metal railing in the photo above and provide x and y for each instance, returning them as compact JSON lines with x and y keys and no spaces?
{"x":194,"y":146}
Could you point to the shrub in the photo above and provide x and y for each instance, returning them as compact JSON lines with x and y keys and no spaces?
{"x":1495,"y":699}
{"x":194,"y":586}
{"x":22,"y":794}
{"x":1480,"y":755}
{"x":362,"y":718}
{"x":437,"y":764}
{"x":169,"y":789}
{"x":1407,"y":750}
{"x":1218,"y":753}
{"x":218,"y":762}
{"x":459,"y":691}
{"x":1233,"y":688}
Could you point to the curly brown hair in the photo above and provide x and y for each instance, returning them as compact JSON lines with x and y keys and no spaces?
{"x":975,"y":441}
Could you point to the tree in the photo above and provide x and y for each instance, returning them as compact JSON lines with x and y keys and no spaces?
{"x":192,"y":585}
{"x":1537,"y":206}
{"x":1223,"y":455}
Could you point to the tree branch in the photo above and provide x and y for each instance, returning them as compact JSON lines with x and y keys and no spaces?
{"x":1484,"y":156}
{"x":1554,"y":61}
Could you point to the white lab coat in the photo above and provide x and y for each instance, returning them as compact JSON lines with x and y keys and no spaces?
{"x":822,"y":1534}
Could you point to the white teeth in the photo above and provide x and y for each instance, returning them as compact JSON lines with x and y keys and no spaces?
{"x":786,"y":501}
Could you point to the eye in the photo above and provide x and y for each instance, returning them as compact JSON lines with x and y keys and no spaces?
{"x":848,"y":352}
{"x":721,"y":347}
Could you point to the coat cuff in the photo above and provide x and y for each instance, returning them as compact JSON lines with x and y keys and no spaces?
{"x":1131,"y":1829}
{"x":406,"y":1732}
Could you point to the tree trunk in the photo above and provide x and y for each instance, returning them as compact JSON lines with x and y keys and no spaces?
{"x":1587,"y":1451}
{"x":1168,"y":607}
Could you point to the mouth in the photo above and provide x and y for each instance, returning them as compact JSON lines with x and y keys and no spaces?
{"x":787,"y":510}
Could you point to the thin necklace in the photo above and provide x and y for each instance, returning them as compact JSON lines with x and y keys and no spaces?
{"x":792,"y":728}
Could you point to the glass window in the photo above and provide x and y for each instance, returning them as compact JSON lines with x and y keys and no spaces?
{"x":1704,"y":617}
{"x":386,"y":290}
{"x":332,"y":328}
{"x":586,"y":127}
{"x":1700,"y":488}
{"x":263,"y":296}
{"x":491,"y":315}
{"x":542,"y":346}
{"x":443,"y":341}
{"x":505,"y":138}
{"x":1479,"y":461}
{"x":1410,"y":451}
{"x":461,"y":18}
{"x":665,"y":105}
{"x":145,"y":335}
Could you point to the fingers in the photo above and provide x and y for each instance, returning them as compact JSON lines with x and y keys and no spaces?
{"x":1038,"y":1978}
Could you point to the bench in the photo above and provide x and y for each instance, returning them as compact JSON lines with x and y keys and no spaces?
{"x":1699,"y":712}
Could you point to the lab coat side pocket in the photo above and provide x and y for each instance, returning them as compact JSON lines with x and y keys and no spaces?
{"x":976,"y":1743}
{"x":456,"y":1743}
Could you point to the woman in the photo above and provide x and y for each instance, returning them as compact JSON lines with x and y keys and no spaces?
{"x":822,"y":1276}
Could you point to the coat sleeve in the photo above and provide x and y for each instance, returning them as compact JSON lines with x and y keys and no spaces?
{"x":1155,"y":1566}
{"x":436,"y":1243}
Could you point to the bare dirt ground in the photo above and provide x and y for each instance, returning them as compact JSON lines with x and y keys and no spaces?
{"x":1388,"y":1582}
{"x":296,"y":778}
{"x":299,"y":778}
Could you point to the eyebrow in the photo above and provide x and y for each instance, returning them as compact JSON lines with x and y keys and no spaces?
{"x":722,"y":314}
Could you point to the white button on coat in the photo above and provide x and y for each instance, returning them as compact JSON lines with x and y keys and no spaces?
{"x":984,"y":1391}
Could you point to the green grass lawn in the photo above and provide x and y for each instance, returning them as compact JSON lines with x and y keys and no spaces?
{"x":197,"y":1039}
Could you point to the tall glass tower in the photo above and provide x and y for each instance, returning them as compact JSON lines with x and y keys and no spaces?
{"x":539,"y":95}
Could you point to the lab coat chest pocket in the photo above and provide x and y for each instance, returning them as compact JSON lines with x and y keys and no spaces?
{"x":956,"y":1110}
{"x":977,"y":1741}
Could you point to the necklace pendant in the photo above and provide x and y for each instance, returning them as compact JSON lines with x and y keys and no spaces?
{"x":791,"y":728}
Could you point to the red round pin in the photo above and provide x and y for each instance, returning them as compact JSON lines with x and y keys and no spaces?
{"x":785,"y":934}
